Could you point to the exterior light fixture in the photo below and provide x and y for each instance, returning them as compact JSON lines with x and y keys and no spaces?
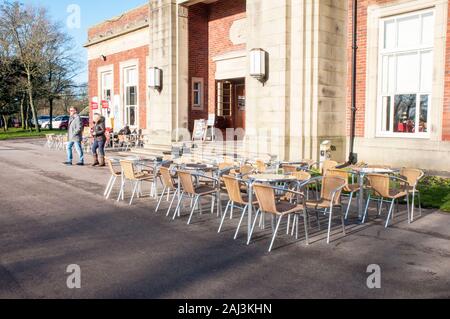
{"x":155,"y":78}
{"x":103,"y":57}
{"x":258,"y":65}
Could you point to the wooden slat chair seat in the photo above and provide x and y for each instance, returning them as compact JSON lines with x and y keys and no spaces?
{"x":352,"y":189}
{"x":186,"y":179}
{"x":413,"y":176}
{"x":136,"y":178}
{"x":237,"y":199}
{"x":169,"y":185}
{"x":380,"y":184}
{"x":268,"y":204}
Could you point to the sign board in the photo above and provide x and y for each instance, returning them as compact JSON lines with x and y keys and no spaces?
{"x":211,"y":120}
{"x":94,"y":105}
{"x":105,"y":104}
{"x":199,"y":130}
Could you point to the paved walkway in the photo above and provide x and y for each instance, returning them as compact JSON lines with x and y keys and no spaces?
{"x":52,"y":216}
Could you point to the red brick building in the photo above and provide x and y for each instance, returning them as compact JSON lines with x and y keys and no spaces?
{"x":202,"y":48}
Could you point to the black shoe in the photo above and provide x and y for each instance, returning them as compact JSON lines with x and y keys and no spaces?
{"x":67,"y":163}
{"x":80,"y":164}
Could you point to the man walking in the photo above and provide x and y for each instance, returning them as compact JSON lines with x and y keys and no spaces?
{"x":75,"y":132}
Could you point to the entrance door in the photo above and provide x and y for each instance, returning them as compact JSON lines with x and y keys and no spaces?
{"x":230,"y":108}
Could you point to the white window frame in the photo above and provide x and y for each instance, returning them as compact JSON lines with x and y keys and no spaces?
{"x":382,"y":52}
{"x":201,"y":90}
{"x":131,"y":64}
{"x":103,"y":87}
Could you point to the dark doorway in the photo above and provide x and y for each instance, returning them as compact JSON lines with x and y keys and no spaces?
{"x":230,"y":103}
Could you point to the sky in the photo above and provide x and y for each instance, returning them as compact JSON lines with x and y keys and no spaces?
{"x":91,"y":12}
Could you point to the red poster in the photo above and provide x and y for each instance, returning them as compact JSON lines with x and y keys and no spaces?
{"x":105,"y":104}
{"x":94,"y":105}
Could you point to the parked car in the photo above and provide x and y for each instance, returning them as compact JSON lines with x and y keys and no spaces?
{"x":59,"y":122}
{"x":85,"y":120}
{"x":42,"y":119}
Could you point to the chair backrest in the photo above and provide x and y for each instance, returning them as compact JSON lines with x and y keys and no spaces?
{"x":128,"y":169}
{"x":327,"y":165}
{"x":186,"y":182}
{"x":329,"y":185}
{"x":266,"y":198}
{"x":412,"y":175}
{"x":233,"y":188}
{"x":289,"y":168}
{"x":246,"y":169}
{"x":302,"y":176}
{"x":225,"y":165}
{"x":309,"y":162}
{"x":380,"y":184}
{"x":167,"y":178}
{"x":339,"y":173}
{"x":260,"y":166}
{"x":112,"y":168}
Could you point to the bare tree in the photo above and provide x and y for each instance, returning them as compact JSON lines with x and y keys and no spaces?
{"x":32,"y":37}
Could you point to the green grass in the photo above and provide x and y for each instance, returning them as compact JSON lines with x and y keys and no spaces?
{"x":15,"y":133}
{"x":435,"y":193}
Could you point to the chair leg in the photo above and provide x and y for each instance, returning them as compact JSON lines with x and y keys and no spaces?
{"x":223,"y":217}
{"x":289,"y":224}
{"x":305,"y":218}
{"x":136,"y":184}
{"x":240,"y":222}
{"x":275,"y":233}
{"x":160,"y":200}
{"x":329,"y":224}
{"x":343,"y":221}
{"x":193,"y":209}
{"x":408,"y":209}
{"x":380,"y":208}
{"x":111,"y":187}
{"x":367,"y":209}
{"x":390,"y":213}
{"x":412,"y":205}
{"x":177,"y":210}
{"x":108,"y":185}
{"x":348,"y":206}
{"x":213,"y":200}
{"x":253,"y":227}
{"x":171,"y":203}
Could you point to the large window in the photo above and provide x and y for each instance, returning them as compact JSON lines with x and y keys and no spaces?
{"x":197,"y":94}
{"x":224,"y":98}
{"x":406,"y":74}
{"x":130,"y":89}
{"x":107,"y":86}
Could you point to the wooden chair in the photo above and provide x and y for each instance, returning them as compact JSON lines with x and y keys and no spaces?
{"x":278,"y":209}
{"x":349,"y":188}
{"x":136,"y":178}
{"x":330,"y":198}
{"x":260,"y":166}
{"x":380,"y":184}
{"x":169,"y":186}
{"x":196,"y":192}
{"x":413,"y":176}
{"x":233,"y":188}
{"x":115,"y":174}
{"x":327,"y":165}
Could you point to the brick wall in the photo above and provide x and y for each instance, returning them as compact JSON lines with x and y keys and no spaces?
{"x":361,"y":69}
{"x":141,"y":54}
{"x":209,"y":27}
{"x":120,"y":23}
{"x":446,"y":111}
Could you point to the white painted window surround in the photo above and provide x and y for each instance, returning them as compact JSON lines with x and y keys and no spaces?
{"x":129,"y":75}
{"x":197,"y":94}
{"x":406,"y":47}
{"x":405,"y":74}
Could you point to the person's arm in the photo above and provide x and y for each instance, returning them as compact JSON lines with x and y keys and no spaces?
{"x":78,"y":126}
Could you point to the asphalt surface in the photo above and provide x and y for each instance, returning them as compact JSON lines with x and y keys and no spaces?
{"x":52,"y":216}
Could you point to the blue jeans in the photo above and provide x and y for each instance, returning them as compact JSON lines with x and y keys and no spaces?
{"x":79,"y":150}
{"x":100,"y":146}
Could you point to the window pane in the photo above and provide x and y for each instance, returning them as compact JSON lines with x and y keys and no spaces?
{"x":426,"y":72}
{"x":408,"y":32}
{"x":389,"y":34}
{"x":408,"y":73}
{"x":131,"y":95}
{"x":131,"y":78}
{"x":131,"y":116}
{"x":386,"y":116}
{"x":197,"y":98}
{"x":428,"y":29}
{"x":423,"y":120}
{"x":405,"y":113}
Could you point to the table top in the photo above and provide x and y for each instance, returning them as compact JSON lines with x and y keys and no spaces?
{"x":373,"y":170}
{"x":271,"y":177}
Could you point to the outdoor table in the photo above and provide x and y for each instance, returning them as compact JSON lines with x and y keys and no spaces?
{"x":362,"y":172}
{"x":262,"y":178}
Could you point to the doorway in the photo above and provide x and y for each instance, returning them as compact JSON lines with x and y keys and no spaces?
{"x":230,"y":103}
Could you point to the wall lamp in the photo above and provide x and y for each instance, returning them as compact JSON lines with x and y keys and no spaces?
{"x":155,"y":78}
{"x":258,"y":64}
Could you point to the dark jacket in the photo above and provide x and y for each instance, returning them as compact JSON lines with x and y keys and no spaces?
{"x":100,"y":129}
{"x":75,"y":129}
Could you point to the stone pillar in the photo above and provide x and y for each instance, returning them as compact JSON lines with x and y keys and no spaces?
{"x":168,"y":108}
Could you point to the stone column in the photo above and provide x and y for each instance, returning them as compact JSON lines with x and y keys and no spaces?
{"x":168,"y":108}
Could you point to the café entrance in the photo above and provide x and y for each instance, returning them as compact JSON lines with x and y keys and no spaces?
{"x":230,"y":103}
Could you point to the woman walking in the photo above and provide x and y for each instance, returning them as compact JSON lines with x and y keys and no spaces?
{"x":99,"y":134}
